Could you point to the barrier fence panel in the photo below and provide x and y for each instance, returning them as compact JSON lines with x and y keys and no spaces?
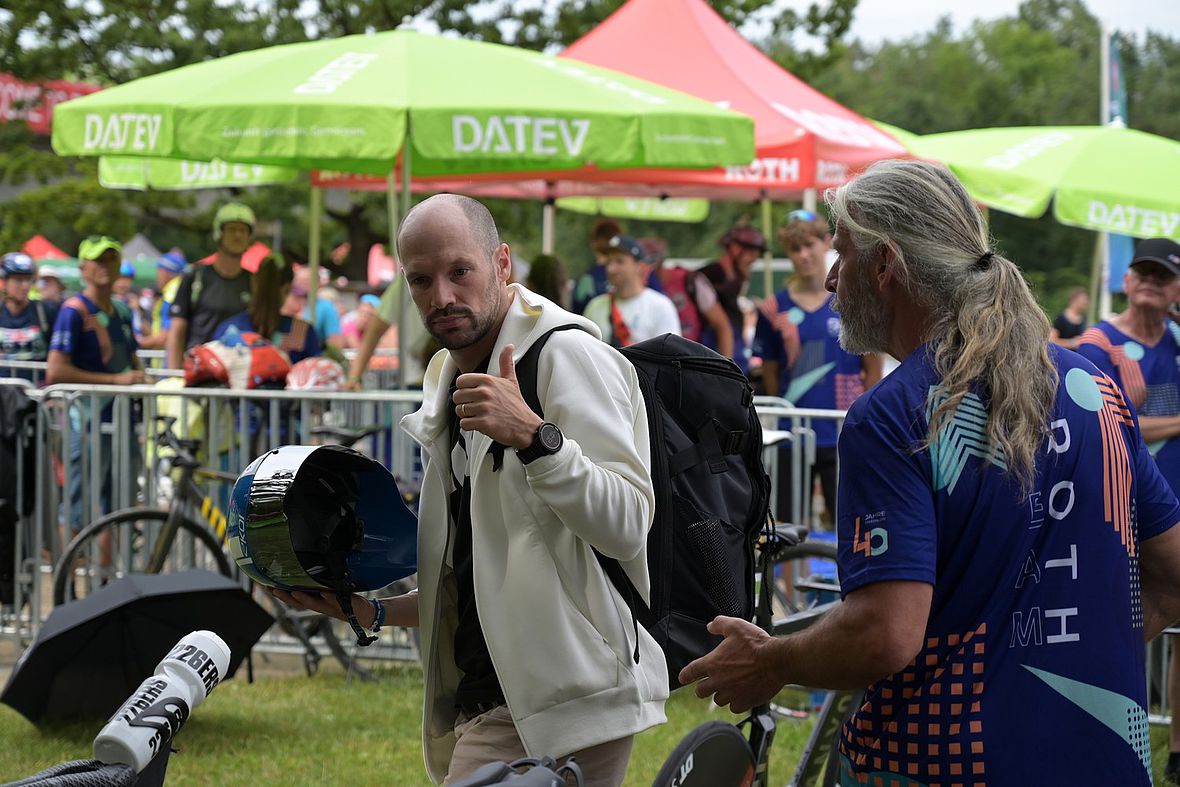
{"x":96,"y":451}
{"x":30,"y":371}
{"x":790,"y":436}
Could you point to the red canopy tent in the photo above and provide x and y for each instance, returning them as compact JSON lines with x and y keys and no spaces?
{"x":805,"y":140}
{"x":40,"y":248}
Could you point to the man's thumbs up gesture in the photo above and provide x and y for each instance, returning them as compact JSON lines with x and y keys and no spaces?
{"x":493,"y":405}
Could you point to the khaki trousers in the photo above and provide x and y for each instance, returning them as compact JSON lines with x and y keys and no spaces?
{"x":491,"y":737}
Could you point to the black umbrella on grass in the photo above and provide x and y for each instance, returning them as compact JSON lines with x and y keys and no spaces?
{"x":93,"y":652}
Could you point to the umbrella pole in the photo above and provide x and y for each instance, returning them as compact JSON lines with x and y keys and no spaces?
{"x":316,"y":208}
{"x":768,"y":255}
{"x":403,"y":351}
{"x":548,"y":223}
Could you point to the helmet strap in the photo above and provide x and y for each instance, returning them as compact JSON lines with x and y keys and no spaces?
{"x":339,"y":567}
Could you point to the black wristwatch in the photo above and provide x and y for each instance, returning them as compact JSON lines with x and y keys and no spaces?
{"x":546,"y":442}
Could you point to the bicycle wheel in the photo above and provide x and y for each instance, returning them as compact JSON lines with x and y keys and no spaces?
{"x":805,"y":577}
{"x":715,"y":754}
{"x":121,"y":543}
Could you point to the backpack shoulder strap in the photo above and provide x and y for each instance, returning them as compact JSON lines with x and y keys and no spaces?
{"x":200,"y":272}
{"x":42,"y":321}
{"x":526,"y":377}
{"x":526,"y":370}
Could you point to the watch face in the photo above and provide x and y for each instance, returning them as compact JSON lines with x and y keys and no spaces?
{"x":549,"y":436}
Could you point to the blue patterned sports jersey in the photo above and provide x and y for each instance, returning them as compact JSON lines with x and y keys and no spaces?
{"x":1149,"y":377}
{"x":1032,"y":671}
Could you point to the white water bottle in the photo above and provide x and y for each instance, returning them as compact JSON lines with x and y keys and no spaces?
{"x":156,"y":711}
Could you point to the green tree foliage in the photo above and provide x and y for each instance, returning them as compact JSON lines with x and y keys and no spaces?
{"x":1040,"y":67}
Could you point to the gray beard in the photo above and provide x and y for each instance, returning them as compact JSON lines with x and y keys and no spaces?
{"x":865,"y":322}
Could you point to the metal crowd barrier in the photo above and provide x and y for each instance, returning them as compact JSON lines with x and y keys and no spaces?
{"x":790,"y":430}
{"x":235,"y":426}
{"x":119,"y":450}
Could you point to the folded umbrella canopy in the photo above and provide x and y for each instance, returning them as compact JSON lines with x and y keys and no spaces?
{"x":93,"y":652}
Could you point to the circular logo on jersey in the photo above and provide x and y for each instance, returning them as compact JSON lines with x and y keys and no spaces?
{"x":834,"y":327}
{"x":795,"y":315}
{"x":1133,"y":350}
{"x":1082,"y":388}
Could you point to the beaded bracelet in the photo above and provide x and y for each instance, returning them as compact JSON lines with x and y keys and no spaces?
{"x":378,"y":614}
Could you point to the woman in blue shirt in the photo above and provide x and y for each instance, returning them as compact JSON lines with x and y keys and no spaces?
{"x":268,"y":290}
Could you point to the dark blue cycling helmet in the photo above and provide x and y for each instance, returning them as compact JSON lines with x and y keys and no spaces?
{"x":17,"y":263}
{"x":318,"y":518}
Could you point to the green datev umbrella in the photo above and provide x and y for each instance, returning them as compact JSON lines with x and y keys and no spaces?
{"x":1099,"y":177}
{"x":141,"y":174}
{"x":686,"y":210}
{"x":352,"y":103}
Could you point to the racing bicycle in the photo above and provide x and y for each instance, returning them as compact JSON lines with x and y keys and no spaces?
{"x":191,"y":533}
{"x":797,"y":579}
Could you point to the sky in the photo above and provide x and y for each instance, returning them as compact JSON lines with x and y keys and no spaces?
{"x":878,"y":20}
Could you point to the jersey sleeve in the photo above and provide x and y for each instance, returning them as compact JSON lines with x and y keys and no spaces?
{"x":886,"y":516}
{"x":669,"y":317}
{"x":768,"y":342}
{"x":66,"y":330}
{"x":1156,"y":506}
{"x":704,"y":292}
{"x":182,"y":306}
{"x":1100,"y":358}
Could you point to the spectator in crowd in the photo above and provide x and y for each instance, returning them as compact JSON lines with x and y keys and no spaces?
{"x":630,"y":312}
{"x":124,"y":289}
{"x":26,"y":326}
{"x":49,"y":285}
{"x":741,"y":247}
{"x":269,"y":287}
{"x":93,"y":344}
{"x":802,"y":360}
{"x":1071,"y":323}
{"x":354,"y":324}
{"x":208,"y":295}
{"x":169,"y":274}
{"x":327,"y":320}
{"x":1140,"y":350}
{"x":383,"y":330}
{"x":693,"y":296}
{"x":543,"y":663}
{"x":593,"y":282}
{"x":547,"y":277}
{"x":1006,"y":542}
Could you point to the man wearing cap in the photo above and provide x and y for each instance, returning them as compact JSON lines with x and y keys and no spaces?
{"x":25,"y":325}
{"x":741,"y":246}
{"x":631,"y":312}
{"x":208,"y":295}
{"x":1139,"y":349}
{"x":169,"y":268}
{"x":49,"y":285}
{"x":93,"y":344}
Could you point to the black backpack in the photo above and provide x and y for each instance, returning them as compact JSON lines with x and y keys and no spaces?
{"x":712,"y":492}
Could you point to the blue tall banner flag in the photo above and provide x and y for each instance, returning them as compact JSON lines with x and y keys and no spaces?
{"x":1121,"y":247}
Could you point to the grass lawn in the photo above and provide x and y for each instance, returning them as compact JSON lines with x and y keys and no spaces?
{"x":324,"y":731}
